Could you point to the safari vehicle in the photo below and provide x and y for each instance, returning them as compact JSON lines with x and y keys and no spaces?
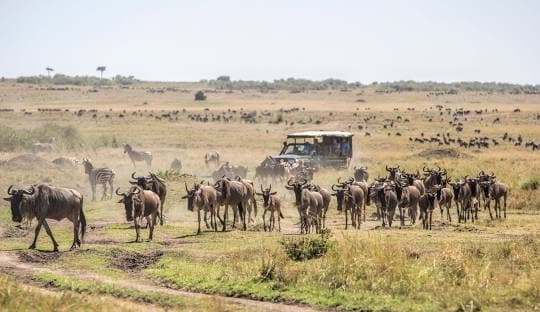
{"x":320,"y":148}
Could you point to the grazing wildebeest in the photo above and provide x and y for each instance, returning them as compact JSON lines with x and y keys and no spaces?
{"x":138,"y":156}
{"x":47,"y":202}
{"x":155,"y":184}
{"x":204,"y":198}
{"x":140,"y":204}
{"x":272,"y":203}
{"x":99,"y":176}
{"x":233,"y":193}
{"x":211,"y":157}
{"x":361,"y":174}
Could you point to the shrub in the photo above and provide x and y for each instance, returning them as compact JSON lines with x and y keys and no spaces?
{"x":308,"y":247}
{"x":200,"y":96}
{"x":531,"y":184}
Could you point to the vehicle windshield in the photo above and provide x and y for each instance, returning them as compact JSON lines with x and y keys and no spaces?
{"x":298,"y":149}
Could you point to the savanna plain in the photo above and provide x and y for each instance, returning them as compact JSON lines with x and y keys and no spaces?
{"x":489,"y":265}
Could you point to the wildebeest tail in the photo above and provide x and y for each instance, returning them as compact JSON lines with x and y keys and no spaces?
{"x":82,"y":220}
{"x":281,"y":215}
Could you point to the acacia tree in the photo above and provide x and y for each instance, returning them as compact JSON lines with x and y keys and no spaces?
{"x":49,"y":70}
{"x":101,"y":69}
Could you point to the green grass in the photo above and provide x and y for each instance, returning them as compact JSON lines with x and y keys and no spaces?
{"x":152,"y":297}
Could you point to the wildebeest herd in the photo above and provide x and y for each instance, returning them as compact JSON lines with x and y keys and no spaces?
{"x":413,"y":194}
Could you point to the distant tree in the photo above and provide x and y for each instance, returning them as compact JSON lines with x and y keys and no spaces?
{"x":200,"y":96}
{"x":101,"y":69}
{"x":49,"y":70}
{"x":224,"y":78}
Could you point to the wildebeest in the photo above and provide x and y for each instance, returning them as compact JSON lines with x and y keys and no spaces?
{"x":140,"y":204}
{"x":47,"y":202}
{"x":252,"y":202}
{"x":155,"y":184}
{"x":138,"y":156}
{"x":211,"y":157}
{"x":233,"y":193}
{"x":97,"y":176}
{"x":176,"y":164}
{"x":445,"y":197}
{"x":427,"y":205}
{"x":326,"y":196}
{"x":350,"y":198}
{"x":361,"y":174}
{"x":394,"y":173}
{"x":308,"y":203}
{"x":229,"y":171}
{"x":203,"y":198}
{"x":272,"y":203}
{"x":494,"y":190}
{"x":433,"y":177}
{"x":408,"y":197}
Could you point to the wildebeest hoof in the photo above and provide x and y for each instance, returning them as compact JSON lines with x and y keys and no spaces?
{"x":33,"y":246}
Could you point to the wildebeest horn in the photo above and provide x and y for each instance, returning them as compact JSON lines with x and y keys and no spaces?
{"x":28,"y":192}
{"x":387,"y":168}
{"x":424,"y":169}
{"x":270,"y":188}
{"x":305,"y":182}
{"x":289,"y":182}
{"x":355,"y":168}
{"x":481,"y":173}
{"x":334,"y":188}
{"x":439,"y":168}
{"x":445,"y":172}
{"x":339,"y":180}
{"x":138,"y":190}
{"x":9,"y":190}
{"x":133,"y":176}
{"x":262,"y":191}
{"x":351,"y":180}
{"x":120,"y":194}
{"x":492,"y":174}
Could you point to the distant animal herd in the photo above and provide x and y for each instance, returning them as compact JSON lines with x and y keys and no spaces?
{"x":401,"y":194}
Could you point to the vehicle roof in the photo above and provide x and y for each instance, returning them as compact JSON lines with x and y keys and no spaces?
{"x":319,"y":133}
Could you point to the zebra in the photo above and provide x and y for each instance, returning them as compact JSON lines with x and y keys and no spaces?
{"x":138,"y":155}
{"x":99,"y":176}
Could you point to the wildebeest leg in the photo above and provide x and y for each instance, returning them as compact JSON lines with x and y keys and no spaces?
{"x":346,"y":218}
{"x":390,"y":216}
{"x":152,"y":224}
{"x":49,"y":232}
{"x":401,"y":217}
{"x":76,"y":240}
{"x":264,"y":219}
{"x":487,"y":205}
{"x":242,"y":208}
{"x":112,"y":187}
{"x":38,"y":228}
{"x":279,"y":220}
{"x":448,"y":212}
{"x":504,"y":205}
{"x":272,"y":221}
{"x":218,"y":215}
{"x":430,"y":218}
{"x":224,"y":222}
{"x":205,"y":218}
{"x":137,"y":229}
{"x":199,"y":221}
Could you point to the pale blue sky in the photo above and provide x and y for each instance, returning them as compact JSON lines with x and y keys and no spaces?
{"x":265,"y":40}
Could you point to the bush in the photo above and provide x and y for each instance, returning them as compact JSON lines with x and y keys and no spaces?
{"x":200,"y":96}
{"x":307,"y":247}
{"x":531,"y":184}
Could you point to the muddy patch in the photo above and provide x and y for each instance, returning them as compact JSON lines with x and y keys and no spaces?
{"x":14,"y":231}
{"x":32,"y":256}
{"x":132,"y":261}
{"x":443,"y":153}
